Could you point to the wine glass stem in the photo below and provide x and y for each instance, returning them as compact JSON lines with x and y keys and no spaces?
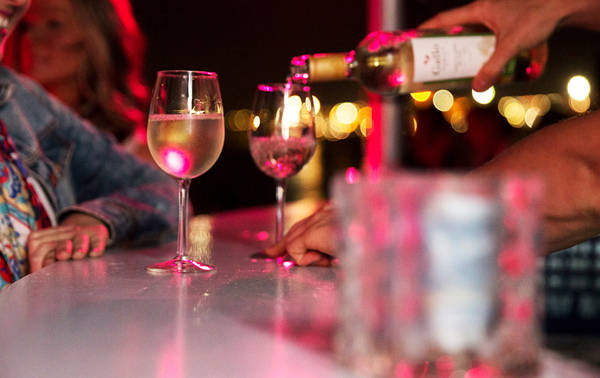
{"x":182,"y":234}
{"x":280,"y":196}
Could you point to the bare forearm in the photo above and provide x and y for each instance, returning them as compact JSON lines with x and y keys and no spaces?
{"x":582,"y":13}
{"x":567,"y":157}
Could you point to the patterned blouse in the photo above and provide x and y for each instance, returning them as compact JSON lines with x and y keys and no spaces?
{"x":23,"y":208}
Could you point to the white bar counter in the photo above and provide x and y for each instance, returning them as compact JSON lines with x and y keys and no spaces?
{"x":108,"y":317}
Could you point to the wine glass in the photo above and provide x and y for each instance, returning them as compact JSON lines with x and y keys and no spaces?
{"x":185,"y":137}
{"x":282,"y":135}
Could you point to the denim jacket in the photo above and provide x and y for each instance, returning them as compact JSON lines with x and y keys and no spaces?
{"x":82,"y":169}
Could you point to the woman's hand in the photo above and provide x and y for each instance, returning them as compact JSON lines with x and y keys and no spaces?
{"x":79,"y":235}
{"x":518,"y":25}
{"x":311,"y":241}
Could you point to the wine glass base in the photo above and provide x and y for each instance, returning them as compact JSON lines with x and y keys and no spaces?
{"x":180,"y":266}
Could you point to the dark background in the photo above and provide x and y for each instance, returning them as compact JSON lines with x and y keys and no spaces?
{"x":247,"y":42}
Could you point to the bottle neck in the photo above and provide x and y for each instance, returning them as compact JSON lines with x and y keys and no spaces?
{"x":322,"y":67}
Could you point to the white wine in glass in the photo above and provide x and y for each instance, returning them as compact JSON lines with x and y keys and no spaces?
{"x":282,"y":135}
{"x":185,"y":137}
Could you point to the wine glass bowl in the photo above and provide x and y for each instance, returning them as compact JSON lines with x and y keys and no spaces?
{"x":282,"y":135}
{"x":186,"y":134}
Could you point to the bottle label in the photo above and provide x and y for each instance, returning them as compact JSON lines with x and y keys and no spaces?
{"x":450,"y":57}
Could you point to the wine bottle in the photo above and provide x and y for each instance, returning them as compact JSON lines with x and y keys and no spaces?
{"x":396,"y":62}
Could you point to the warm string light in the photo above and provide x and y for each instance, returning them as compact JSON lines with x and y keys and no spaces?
{"x":333,"y":123}
{"x":485,"y":97}
{"x":343,"y":119}
{"x":578,"y":89}
{"x":443,"y":100}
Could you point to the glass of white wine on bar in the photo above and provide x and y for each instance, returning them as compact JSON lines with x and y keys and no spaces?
{"x":185,"y":137}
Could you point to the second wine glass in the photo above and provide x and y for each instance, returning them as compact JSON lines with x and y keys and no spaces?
{"x":282,"y":135}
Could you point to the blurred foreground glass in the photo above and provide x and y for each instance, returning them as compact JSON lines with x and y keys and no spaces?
{"x":439,"y":275}
{"x":185,"y":137}
{"x":282,"y":135}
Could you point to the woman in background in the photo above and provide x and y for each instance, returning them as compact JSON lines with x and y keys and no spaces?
{"x":89,"y":54}
{"x":66,"y":190}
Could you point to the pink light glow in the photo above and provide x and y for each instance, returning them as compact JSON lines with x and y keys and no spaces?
{"x":198,"y":265}
{"x":262,"y":235}
{"x":409,"y":34}
{"x":374,"y":144}
{"x":352,"y":175}
{"x":266,"y":88}
{"x":300,"y":77}
{"x":514,"y":308}
{"x":524,"y":311}
{"x":456,"y":29}
{"x":140,"y":134}
{"x":300,"y":60}
{"x":482,"y":371}
{"x":534,"y":70}
{"x":288,"y":264}
{"x":517,"y":194}
{"x":516,"y":264}
{"x":349,"y":57}
{"x":397,"y":78}
{"x":357,"y":231}
{"x":373,"y":149}
{"x":444,"y":366}
{"x":410,"y":308}
{"x":403,"y":370}
{"x":176,"y":161}
{"x":376,"y":43}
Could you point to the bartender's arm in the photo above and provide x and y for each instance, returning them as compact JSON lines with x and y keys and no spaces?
{"x":567,"y":156}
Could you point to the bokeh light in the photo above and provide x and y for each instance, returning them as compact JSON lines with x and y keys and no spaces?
{"x":542,"y":102}
{"x":346,"y":113}
{"x":317,"y":104}
{"x":291,"y":113}
{"x":485,"y":97}
{"x":580,"y":106}
{"x":532,"y":116}
{"x":514,"y":112}
{"x":413,"y":126}
{"x":503,"y":103}
{"x":352,"y":175}
{"x":294,"y":103}
{"x":421,"y":96}
{"x":241,"y":119}
{"x":456,"y":116}
{"x":321,"y":126}
{"x":229,"y":119}
{"x":256,"y":122}
{"x":578,"y":88}
{"x":176,"y":161}
{"x":365,"y":121}
{"x":459,"y":123}
{"x":443,"y":100}
{"x":338,"y":127}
